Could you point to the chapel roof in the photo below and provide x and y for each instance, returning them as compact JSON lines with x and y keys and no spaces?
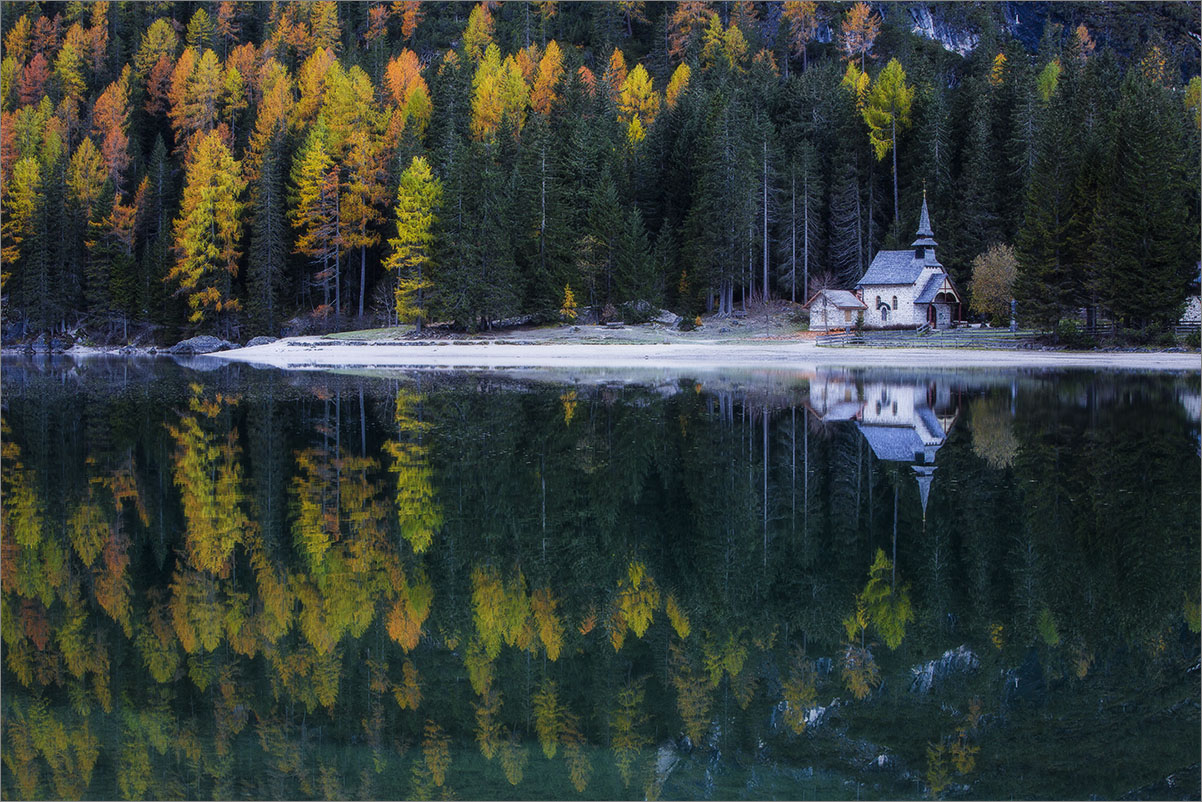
{"x":892,"y":267}
{"x":927,"y":294}
{"x":840,"y":298}
{"x":893,"y":443}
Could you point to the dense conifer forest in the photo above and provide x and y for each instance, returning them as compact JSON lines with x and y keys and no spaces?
{"x":251,"y":168}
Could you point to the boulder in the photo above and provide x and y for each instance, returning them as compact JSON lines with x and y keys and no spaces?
{"x":260,"y":340}
{"x":56,"y":345}
{"x":511,"y":322}
{"x":203,"y":344}
{"x":666,"y":318}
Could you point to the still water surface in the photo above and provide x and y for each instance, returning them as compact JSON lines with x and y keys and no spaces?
{"x":234,"y":583}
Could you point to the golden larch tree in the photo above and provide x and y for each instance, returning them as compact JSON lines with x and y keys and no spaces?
{"x":859,"y":31}
{"x":418,"y":197}
{"x":208,"y":231}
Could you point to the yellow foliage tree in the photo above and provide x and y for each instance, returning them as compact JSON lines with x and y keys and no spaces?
{"x":548,"y":718}
{"x":694,"y":694}
{"x":626,"y":725}
{"x":638,"y":598}
{"x":725,"y":47}
{"x":567,"y":312}
{"x":637,"y":103}
{"x":477,"y":36}
{"x":800,"y":691}
{"x":208,"y":473}
{"x":499,"y":92}
{"x":859,"y":670}
{"x":488,"y":728}
{"x":859,"y":31}
{"x":678,"y":618}
{"x":550,"y":71}
{"x":418,"y":196}
{"x":436,"y":748}
{"x":677,"y":85}
{"x":208,"y":231}
{"x":488,"y":600}
{"x":409,"y":693}
{"x":410,"y":611}
{"x":549,"y":623}
{"x":514,"y":758}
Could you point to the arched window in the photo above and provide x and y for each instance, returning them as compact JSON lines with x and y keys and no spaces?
{"x":878,"y":300}
{"x":884,"y":314}
{"x":894,"y":303}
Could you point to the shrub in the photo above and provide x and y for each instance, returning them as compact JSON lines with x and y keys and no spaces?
{"x":1070,"y":334}
{"x":637,"y":312}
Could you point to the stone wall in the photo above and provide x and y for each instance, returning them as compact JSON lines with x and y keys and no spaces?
{"x":825,"y":316}
{"x":1193,"y":310}
{"x":904,"y":315}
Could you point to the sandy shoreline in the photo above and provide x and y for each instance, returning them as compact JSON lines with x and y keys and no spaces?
{"x":314,"y":353}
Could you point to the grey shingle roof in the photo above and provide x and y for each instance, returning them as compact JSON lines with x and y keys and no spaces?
{"x":840,"y":298}
{"x":893,"y":443}
{"x":892,"y":267}
{"x":928,"y":293}
{"x":931,"y":422}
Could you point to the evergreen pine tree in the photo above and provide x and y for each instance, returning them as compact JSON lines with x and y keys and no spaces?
{"x":1143,"y":245}
{"x":268,"y":253}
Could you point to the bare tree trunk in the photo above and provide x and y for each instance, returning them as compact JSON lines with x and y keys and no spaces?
{"x":871,"y":196}
{"x":765,"y":511}
{"x":859,"y":233}
{"x":337,"y":258}
{"x":765,"y":217}
{"x":805,"y":256}
{"x":893,"y":581}
{"x":362,"y":276}
{"x":793,"y":238}
{"x":896,"y":213}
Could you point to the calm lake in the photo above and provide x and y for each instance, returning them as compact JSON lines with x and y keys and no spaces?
{"x":225,"y":582}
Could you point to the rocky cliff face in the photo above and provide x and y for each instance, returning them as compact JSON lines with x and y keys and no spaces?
{"x":930,"y":23}
{"x":1126,"y":28}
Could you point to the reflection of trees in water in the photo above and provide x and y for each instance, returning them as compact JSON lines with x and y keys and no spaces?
{"x":254,"y":563}
{"x":993,"y":437}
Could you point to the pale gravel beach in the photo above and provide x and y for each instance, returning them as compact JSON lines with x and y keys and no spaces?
{"x":315,"y":353}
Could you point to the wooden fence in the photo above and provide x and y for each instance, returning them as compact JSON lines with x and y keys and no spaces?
{"x":939,"y":338}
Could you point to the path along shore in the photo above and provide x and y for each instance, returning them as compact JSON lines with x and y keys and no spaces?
{"x":316,"y":353}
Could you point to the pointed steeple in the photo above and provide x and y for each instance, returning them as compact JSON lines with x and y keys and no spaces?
{"x":925,"y":475}
{"x":924,"y":220}
{"x":924,"y":245}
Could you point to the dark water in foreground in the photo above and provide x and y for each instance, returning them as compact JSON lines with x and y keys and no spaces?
{"x":236,"y":583}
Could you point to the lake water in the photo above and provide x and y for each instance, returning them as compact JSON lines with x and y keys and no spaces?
{"x":234,"y":583}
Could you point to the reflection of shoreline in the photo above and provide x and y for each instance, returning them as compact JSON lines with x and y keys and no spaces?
{"x":313,"y":353}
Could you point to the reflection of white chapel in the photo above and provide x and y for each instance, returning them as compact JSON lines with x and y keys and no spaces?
{"x":908,"y":423}
{"x":904,"y":422}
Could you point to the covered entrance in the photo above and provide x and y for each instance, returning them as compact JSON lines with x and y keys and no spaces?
{"x":939,"y":310}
